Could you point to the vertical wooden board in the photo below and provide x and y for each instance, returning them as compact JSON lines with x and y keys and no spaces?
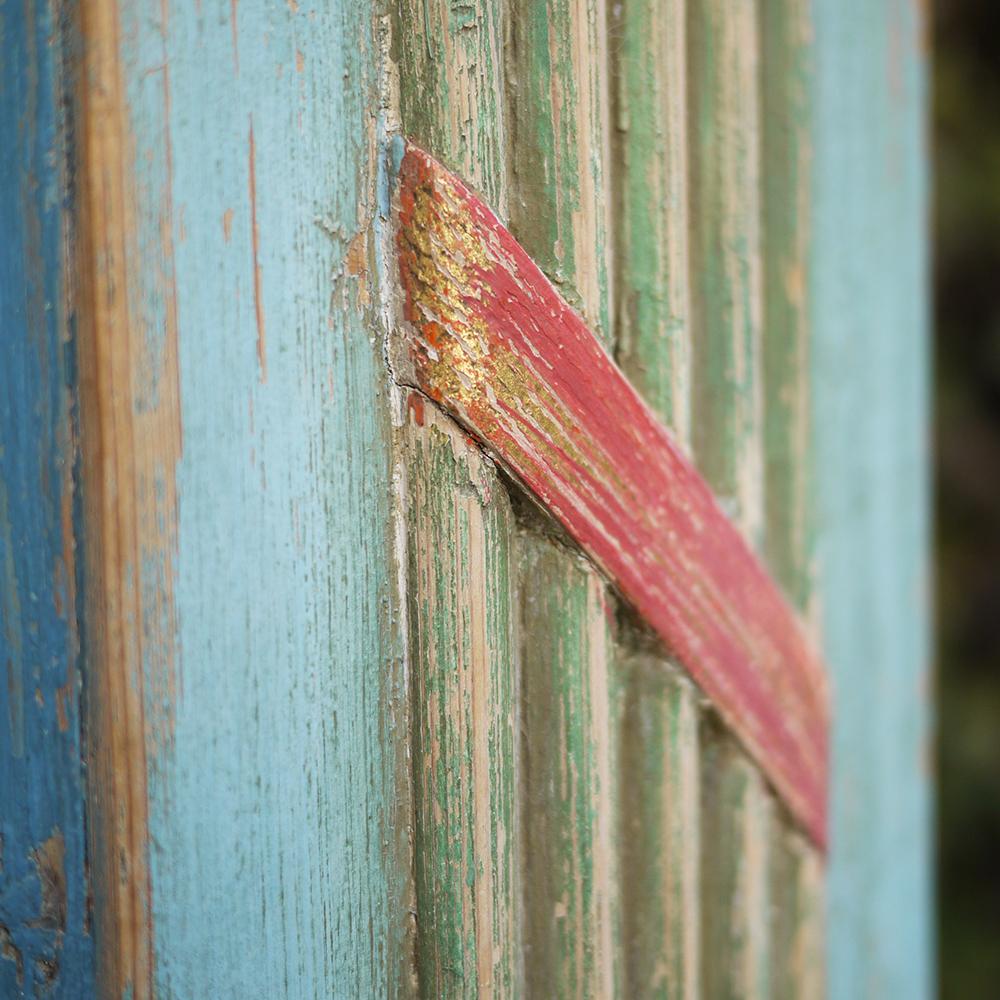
{"x":45,"y":941}
{"x":559,"y":116}
{"x":786,"y":58}
{"x":651,"y":205}
{"x":451,"y":88}
{"x":870,"y":397}
{"x":724,"y":93}
{"x":737,"y":838}
{"x":798,"y":969}
{"x":571,"y":938}
{"x":267,"y":633}
{"x":466,"y":691}
{"x":659,"y":832}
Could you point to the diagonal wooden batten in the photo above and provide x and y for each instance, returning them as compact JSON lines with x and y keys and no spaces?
{"x":487,"y":336}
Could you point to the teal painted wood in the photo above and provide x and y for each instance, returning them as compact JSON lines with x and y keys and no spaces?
{"x":45,"y":945}
{"x":271,"y":777}
{"x":870,"y":415}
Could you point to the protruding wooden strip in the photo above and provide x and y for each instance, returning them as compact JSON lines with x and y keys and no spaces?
{"x":45,"y":947}
{"x":466,"y":689}
{"x":488,"y":336}
{"x":870,"y":399}
{"x":559,"y":113}
{"x":737,"y":836}
{"x":259,"y":790}
{"x":651,"y":164}
{"x":727,"y":292}
{"x":797,"y":924}
{"x":659,"y":832}
{"x":568,"y":809}
{"x":451,"y":88}
{"x":786,"y":37}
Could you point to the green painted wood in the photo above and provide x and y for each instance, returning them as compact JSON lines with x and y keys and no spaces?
{"x":465,"y":709}
{"x":242,"y":468}
{"x":559,"y":133}
{"x":737,"y":835}
{"x":786,"y":63}
{"x":451,"y":89}
{"x":571,"y":937}
{"x":870,"y":402}
{"x":727,"y":292}
{"x":463,"y":655}
{"x":651,"y":205}
{"x":659,"y":831}
{"x":797,"y":899}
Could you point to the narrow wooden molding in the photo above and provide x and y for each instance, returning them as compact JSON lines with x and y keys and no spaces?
{"x":486,"y":335}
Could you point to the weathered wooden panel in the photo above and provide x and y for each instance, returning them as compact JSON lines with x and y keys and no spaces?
{"x":246,"y":655}
{"x":869,"y":373}
{"x":46,"y":947}
{"x":571,"y":923}
{"x":727,"y":292}
{"x":659,"y":831}
{"x":466,"y":695}
{"x":798,"y":971}
{"x":451,"y":88}
{"x":738,"y":833}
{"x":786,"y":60}
{"x":559,"y":128}
{"x":489,"y":337}
{"x":653,"y":343}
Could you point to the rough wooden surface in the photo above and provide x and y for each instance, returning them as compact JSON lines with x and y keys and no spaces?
{"x":727,"y":293}
{"x":571,"y":932}
{"x":46,"y":941}
{"x":489,"y":338}
{"x":451,"y":88}
{"x":466,"y":696}
{"x":870,"y":397}
{"x":786,"y":64}
{"x":659,"y":831}
{"x":559,"y":130}
{"x":737,"y":836}
{"x":651,"y":223}
{"x":246,"y":651}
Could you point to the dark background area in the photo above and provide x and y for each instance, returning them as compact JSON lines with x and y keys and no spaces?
{"x":966,"y":127}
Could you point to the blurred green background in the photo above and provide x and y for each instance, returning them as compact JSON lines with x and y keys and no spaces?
{"x":966,"y":125}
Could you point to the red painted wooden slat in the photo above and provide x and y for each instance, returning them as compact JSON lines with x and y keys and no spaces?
{"x":487,"y":336}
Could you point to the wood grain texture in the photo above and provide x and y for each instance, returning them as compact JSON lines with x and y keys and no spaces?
{"x":798,"y":968}
{"x":559,"y":129}
{"x":488,"y":337}
{"x":466,"y":695}
{"x":451,"y":88}
{"x":653,"y":342}
{"x":737,"y":838}
{"x":870,"y":399}
{"x":659,"y":831}
{"x":46,"y":944}
{"x":247,"y":657}
{"x":572,"y":944}
{"x":727,"y":279}
{"x":786,"y":65}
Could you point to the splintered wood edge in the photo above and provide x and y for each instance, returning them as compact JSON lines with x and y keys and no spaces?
{"x":486,"y":335}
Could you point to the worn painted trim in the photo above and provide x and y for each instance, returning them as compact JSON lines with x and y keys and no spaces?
{"x":46,"y":940}
{"x":549,"y":402}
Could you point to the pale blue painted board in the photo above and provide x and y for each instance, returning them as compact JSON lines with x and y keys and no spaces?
{"x":870,"y":393}
{"x":270,"y":847}
{"x":45,"y":944}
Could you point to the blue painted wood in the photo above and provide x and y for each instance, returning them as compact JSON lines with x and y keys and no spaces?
{"x":271,"y":653}
{"x":45,"y":945}
{"x":870,"y":419}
